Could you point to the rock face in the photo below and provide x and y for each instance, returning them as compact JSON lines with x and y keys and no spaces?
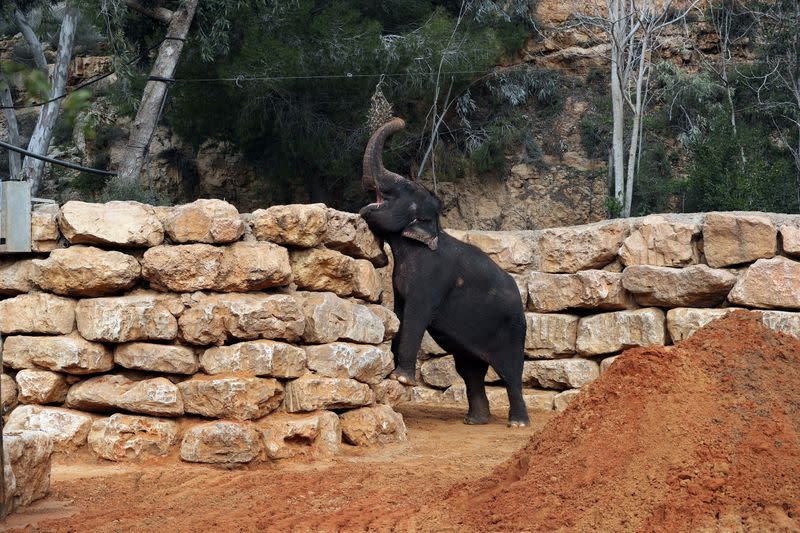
{"x":731,"y":239}
{"x":348,"y":233}
{"x":769,"y":283}
{"x":221,"y":442}
{"x":391,"y":392}
{"x":71,"y":354}
{"x":589,"y":289}
{"x":682,"y":323}
{"x":560,"y":373}
{"x":171,"y":359}
{"x":320,"y":269}
{"x":289,"y":435}
{"x":86,"y":271}
{"x":156,"y":396}
{"x":613,"y":332}
{"x":294,"y":225}
{"x":27,"y":467}
{"x":37,"y":313}
{"x":15,"y":277}
{"x":368,"y":364}
{"x":8,"y":394}
{"x":126,"y":437}
{"x":44,"y":228}
{"x":549,"y":335}
{"x":697,"y":285}
{"x":213,"y":319}
{"x":141,"y":317}
{"x":261,"y":358}
{"x":440,"y":372}
{"x":658,"y":242}
{"x":311,"y":392}
{"x":513,"y":251}
{"x":208,"y":221}
{"x":231,"y":396}
{"x":329,"y":318}
{"x":369,"y":426}
{"x":66,"y":428}
{"x":581,"y":247}
{"x":391,"y":324}
{"x":240,"y":267}
{"x":123,"y":224}
{"x":41,"y":387}
{"x":791,"y":239}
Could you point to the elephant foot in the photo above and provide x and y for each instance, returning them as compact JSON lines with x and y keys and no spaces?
{"x":476,"y":420}
{"x":403,"y":378}
{"x":518,"y":424}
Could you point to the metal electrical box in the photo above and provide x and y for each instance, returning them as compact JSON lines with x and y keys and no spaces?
{"x":15,"y":217}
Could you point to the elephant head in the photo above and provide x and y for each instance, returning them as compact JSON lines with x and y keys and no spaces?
{"x":401,"y":206}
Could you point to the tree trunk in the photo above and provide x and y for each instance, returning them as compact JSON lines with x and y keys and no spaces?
{"x":32,"y":40}
{"x":32,"y":169}
{"x":7,"y":101}
{"x":617,"y":104}
{"x":638,"y":109}
{"x":144,"y":125}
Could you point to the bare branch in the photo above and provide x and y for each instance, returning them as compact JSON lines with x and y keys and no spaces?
{"x":32,"y":40}
{"x":161,"y":14}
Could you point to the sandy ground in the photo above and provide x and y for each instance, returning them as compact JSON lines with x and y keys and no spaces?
{"x":361,"y":489}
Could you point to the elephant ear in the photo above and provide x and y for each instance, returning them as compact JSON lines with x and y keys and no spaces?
{"x":424,"y":231}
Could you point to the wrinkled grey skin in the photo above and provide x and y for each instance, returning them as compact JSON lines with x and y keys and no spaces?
{"x":467,"y":303}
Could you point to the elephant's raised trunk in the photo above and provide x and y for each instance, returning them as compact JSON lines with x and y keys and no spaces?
{"x":373,"y":155}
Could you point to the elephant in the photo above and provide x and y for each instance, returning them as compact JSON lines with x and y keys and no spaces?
{"x":470,"y":306}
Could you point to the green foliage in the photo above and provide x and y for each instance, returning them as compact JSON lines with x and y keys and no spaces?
{"x":654,"y":186}
{"x":613,"y":207}
{"x":491,"y":154}
{"x":596,"y":134}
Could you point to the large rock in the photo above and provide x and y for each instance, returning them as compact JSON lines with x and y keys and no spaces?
{"x":312,"y":392}
{"x":300,"y":225}
{"x":126,"y":437}
{"x":8,"y":394}
{"x":240,"y":267}
{"x":168,"y":358}
{"x":550,"y":335}
{"x":15,"y":276}
{"x":71,"y":354}
{"x":659,"y":242}
{"x":391,"y":392}
{"x":26,"y":461}
{"x":731,"y":239}
{"x":140,"y":317}
{"x":513,"y":251}
{"x":613,"y":332}
{"x":428,"y":348}
{"x":391,"y":324}
{"x":768,"y":283}
{"x":221,"y":442}
{"x":684,"y":322}
{"x":205,"y":220}
{"x":37,"y":313}
{"x":791,"y":239}
{"x":697,"y":285}
{"x":231,"y":396}
{"x":156,"y":396}
{"x":41,"y":386}
{"x":261,"y":358}
{"x":581,"y":247}
{"x":124,"y":224}
{"x":320,"y":269}
{"x":348,"y":233}
{"x":589,"y":289}
{"x":44,"y":228}
{"x":440,"y":372}
{"x":560,"y":373}
{"x":86,"y":271}
{"x":66,"y":428}
{"x":788,"y":323}
{"x":368,"y":364}
{"x":213,"y":319}
{"x":312,"y":434}
{"x":563,"y":399}
{"x":368,"y":426}
{"x":329,"y":318}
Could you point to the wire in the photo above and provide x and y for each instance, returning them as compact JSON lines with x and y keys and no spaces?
{"x":56,"y":161}
{"x":239,"y":79}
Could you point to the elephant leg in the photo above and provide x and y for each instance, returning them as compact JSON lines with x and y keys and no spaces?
{"x":416,"y":316}
{"x":511,"y":374}
{"x":473,"y":372}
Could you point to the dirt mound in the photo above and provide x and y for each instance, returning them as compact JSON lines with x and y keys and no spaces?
{"x":703,"y":435}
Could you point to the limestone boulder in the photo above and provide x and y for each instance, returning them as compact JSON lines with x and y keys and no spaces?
{"x":66,"y":428}
{"x":15,"y":276}
{"x":123,"y":224}
{"x":26,"y":467}
{"x":560,"y":373}
{"x":428,"y":348}
{"x":208,"y":221}
{"x":86,"y":271}
{"x":71,"y":354}
{"x":369,"y":426}
{"x":734,"y":238}
{"x":41,"y":386}
{"x":513,"y":251}
{"x":440,"y":372}
{"x":231,"y":396}
{"x":785,"y":322}
{"x":138,"y":317}
{"x":549,"y":335}
{"x":221,"y":442}
{"x":391,"y":324}
{"x":768,"y":283}
{"x":301,"y":225}
{"x":391,"y":392}
{"x":581,"y":247}
{"x":156,"y":396}
{"x":790,"y":236}
{"x":37,"y":312}
{"x":128,"y":438}
{"x":260,"y":358}
{"x":613,"y":332}
{"x":348,"y":233}
{"x":320,"y":269}
{"x":329,"y":318}
{"x":151,"y":357}
{"x":304,"y":434}
{"x":425,"y":396}
{"x":8,"y":394}
{"x":311,"y":392}
{"x":44,"y":228}
{"x":535,"y":400}
{"x":659,"y":242}
{"x":607,"y":362}
{"x":684,"y":322}
{"x":696,"y":285}
{"x":588,"y":289}
{"x":367,"y":364}
{"x":563,"y":399}
{"x":216,"y":318}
